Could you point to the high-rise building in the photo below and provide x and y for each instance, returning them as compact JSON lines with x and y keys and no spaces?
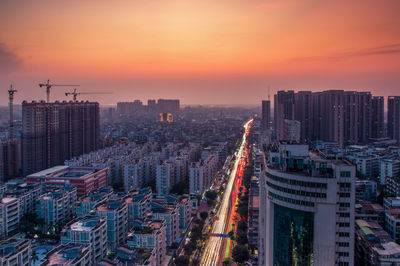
{"x":291,"y":130}
{"x":303,"y":113}
{"x":394,"y":117}
{"x":307,"y":209}
{"x":283,"y":109}
{"x":344,"y":117}
{"x":55,"y":132}
{"x":265,"y":115}
{"x":378,"y":116}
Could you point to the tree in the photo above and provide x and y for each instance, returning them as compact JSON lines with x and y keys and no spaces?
{"x":241,"y":237}
{"x":182,"y":261}
{"x":226,"y":262}
{"x":240,"y":253}
{"x":242,"y":225}
{"x":211,"y":195}
{"x":195,"y":262}
{"x":34,"y":256}
{"x":203,"y":215}
{"x":189,"y":247}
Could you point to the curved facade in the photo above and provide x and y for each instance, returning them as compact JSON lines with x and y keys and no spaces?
{"x":307,"y":202}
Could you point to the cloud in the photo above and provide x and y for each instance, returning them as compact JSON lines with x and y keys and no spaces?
{"x":378,"y":50}
{"x":9,"y":61}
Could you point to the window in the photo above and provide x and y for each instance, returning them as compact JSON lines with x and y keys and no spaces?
{"x":343,"y":234}
{"x":344,"y":244}
{"x":345,"y":174}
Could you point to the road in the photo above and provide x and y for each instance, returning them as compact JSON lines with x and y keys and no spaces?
{"x":213,"y":251}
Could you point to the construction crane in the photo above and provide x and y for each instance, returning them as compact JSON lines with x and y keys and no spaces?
{"x":49,"y":86}
{"x":74,"y":93}
{"x":11,"y":92}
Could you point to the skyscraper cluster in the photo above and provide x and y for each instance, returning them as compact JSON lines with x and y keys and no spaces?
{"x":345,"y":117}
{"x":55,"y":132}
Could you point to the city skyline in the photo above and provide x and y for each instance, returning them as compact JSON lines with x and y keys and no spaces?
{"x":201,"y":53}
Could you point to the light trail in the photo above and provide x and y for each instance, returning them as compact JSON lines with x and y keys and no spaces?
{"x":212,"y":251}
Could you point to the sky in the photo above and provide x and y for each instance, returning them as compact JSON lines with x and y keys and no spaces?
{"x":202,"y":52}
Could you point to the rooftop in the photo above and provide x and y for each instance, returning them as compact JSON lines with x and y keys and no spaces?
{"x":65,"y":254}
{"x":85,"y":224}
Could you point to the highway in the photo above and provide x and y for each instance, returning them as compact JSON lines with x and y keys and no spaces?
{"x":213,"y":253}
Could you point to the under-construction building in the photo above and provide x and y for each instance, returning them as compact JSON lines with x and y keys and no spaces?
{"x":55,"y":132}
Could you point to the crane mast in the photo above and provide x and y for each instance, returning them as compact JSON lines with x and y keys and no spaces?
{"x":11,"y":92}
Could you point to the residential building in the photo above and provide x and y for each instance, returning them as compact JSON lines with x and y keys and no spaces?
{"x":10,"y":215}
{"x":15,"y":252}
{"x":253,"y":213}
{"x":366,"y":190}
{"x":150,"y":235}
{"x":70,"y":254}
{"x":165,"y":176}
{"x":116,"y":213}
{"x":138,"y":203}
{"x":284,"y":108}
{"x":291,"y":131}
{"x":392,"y":223}
{"x":86,"y":205}
{"x":57,"y":207}
{"x":389,"y":168}
{"x":265,"y":115}
{"x":55,"y":132}
{"x":90,"y":230}
{"x":393,"y":126}
{"x":374,"y":246}
{"x":27,"y":195}
{"x":170,"y":214}
{"x":185,"y":213}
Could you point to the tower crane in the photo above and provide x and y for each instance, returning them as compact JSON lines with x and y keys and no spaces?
{"x":11,"y":93}
{"x":49,"y":86}
{"x":74,"y":93}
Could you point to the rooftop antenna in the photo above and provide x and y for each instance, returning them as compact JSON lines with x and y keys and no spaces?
{"x":11,"y":92}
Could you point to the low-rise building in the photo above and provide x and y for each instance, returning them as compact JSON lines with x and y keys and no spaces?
{"x":253,"y":213}
{"x":85,"y":179}
{"x":370,"y":212}
{"x":27,"y":195}
{"x":69,"y":255}
{"x":366,"y":190}
{"x":15,"y":252}
{"x":374,"y":246}
{"x":88,"y":230}
{"x":392,"y":223}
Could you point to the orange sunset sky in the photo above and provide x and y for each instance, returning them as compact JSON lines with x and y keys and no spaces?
{"x":202,"y":52}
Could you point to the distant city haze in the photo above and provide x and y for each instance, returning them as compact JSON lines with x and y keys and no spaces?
{"x":202,"y":52}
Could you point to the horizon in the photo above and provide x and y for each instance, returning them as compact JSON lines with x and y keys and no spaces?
{"x":225,"y":52}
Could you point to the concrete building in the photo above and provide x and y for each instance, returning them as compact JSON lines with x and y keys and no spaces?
{"x":388,"y":168}
{"x":116,"y":213}
{"x":393,"y":126}
{"x":266,"y":115}
{"x":170,"y":214}
{"x":304,"y":113}
{"x":10,"y":215}
{"x":291,"y":131}
{"x":90,"y":230}
{"x":138,"y":203}
{"x":86,"y":205}
{"x":378,"y":117}
{"x":307,"y":208}
{"x":283,"y":109}
{"x":15,"y":252}
{"x":392,"y":223}
{"x":69,"y":255}
{"x":85,"y":179}
{"x":374,"y":246}
{"x":197,"y":178}
{"x":165,"y":176}
{"x":150,"y":235}
{"x":366,"y":190}
{"x":57,"y":207}
{"x":253,"y":213}
{"x":185,"y":213}
{"x":27,"y":195}
{"x":55,"y":132}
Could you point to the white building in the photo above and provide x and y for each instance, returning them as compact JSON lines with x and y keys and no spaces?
{"x":197,"y":178}
{"x":307,"y":209}
{"x":165,"y":176}
{"x":388,"y":168}
{"x":10,"y":215}
{"x":69,"y":255}
{"x":88,"y":230}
